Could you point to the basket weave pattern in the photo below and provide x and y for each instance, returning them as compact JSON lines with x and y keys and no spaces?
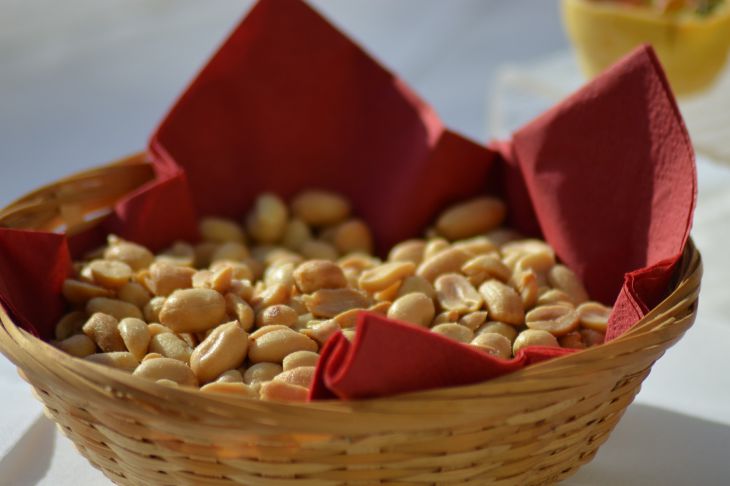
{"x":532,"y":427}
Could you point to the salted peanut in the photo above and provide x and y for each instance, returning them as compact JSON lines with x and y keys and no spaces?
{"x":102,"y":329}
{"x":415,"y":283}
{"x":180,"y":253}
{"x":261,"y":372}
{"x":70,"y":324}
{"x":477,"y":245}
{"x":525,"y":282}
{"x":230,"y":251}
{"x":114,"y":307}
{"x":318,"y":274}
{"x":152,"y":309}
{"x":79,"y":292}
{"x":502,"y":236}
{"x":281,"y":273}
{"x":150,"y":356}
{"x":134,"y":255}
{"x":563,"y":278}
{"x":170,"y":345}
{"x":503,"y":302}
{"x":120,"y":359}
{"x":330,"y":302}
{"x":511,"y":259}
{"x":189,"y":338}
{"x":525,"y":246}
{"x":320,"y":208}
{"x":201,"y":279}
{"x":556,"y":319}
{"x":134,"y":293}
{"x":283,"y":392}
{"x":416,"y":308}
{"x":474,"y":320}
{"x":454,"y":292}
{"x":110,"y":273}
{"x":295,"y":234}
{"x":496,"y":327}
{"x":230,"y":388}
{"x":494,"y":344}
{"x":219,"y":280}
{"x":592,"y":337}
{"x":301,"y":376}
{"x":554,"y":296}
{"x":408,"y":251}
{"x":486,"y":267}
{"x":358,"y":262}
{"x":239,"y":308}
{"x":446,"y":317}
{"x":167,"y":382}
{"x":471,"y":218}
{"x":305,"y":320}
{"x":594,"y":315}
{"x":163,"y":278}
{"x":388,"y":294}
{"x":167,"y":368}
{"x":203,"y":253}
{"x":349,"y":334}
{"x":277,"y":314}
{"x":321,"y":331}
{"x":296,"y":302}
{"x":274,"y":346}
{"x":572,"y":340}
{"x":299,"y":359}
{"x":79,"y":345}
{"x":267,"y":329}
{"x":454,"y":331}
{"x":193,"y":310}
{"x":385,"y":275}
{"x":347,"y":318}
{"x":266,"y":221}
{"x":447,"y":261}
{"x":230,"y":376}
{"x":319,"y":250}
{"x":435,"y":246}
{"x":276,"y":294}
{"x":136,"y":336}
{"x":240,"y":270}
{"x":538,"y":261}
{"x":221,"y":230}
{"x":533,"y":337}
{"x":353,"y":236}
{"x":224,"y":349}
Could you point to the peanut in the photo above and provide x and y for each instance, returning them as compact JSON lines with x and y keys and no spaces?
{"x":408,"y":251}
{"x":230,"y":251}
{"x":78,"y":345}
{"x":556,"y":319}
{"x":239,"y":308}
{"x":267,"y":221}
{"x":152,"y":309}
{"x":164,"y":279}
{"x":136,"y":336}
{"x":494,"y":344}
{"x":298,"y":359}
{"x":70,"y":324}
{"x":473,"y":320}
{"x":220,"y":230}
{"x":477,"y":245}
{"x":554,"y":296}
{"x":134,"y":293}
{"x":485,"y":267}
{"x":447,"y":261}
{"x":230,"y":376}
{"x":330,"y":302}
{"x":320,"y":208}
{"x":193,"y":310}
{"x":321,"y":331}
{"x":454,"y":331}
{"x":261,"y":372}
{"x":277,"y":314}
{"x":180,"y":253}
{"x":445,"y":317}
{"x":78,"y":292}
{"x":301,"y":376}
{"x":533,"y":337}
{"x":102,"y":329}
{"x":285,"y":392}
{"x":471,"y":218}
{"x":594,"y":315}
{"x":224,"y":349}
{"x":454,"y":292}
{"x":592,"y":337}
{"x":318,"y":250}
{"x":281,"y":273}
{"x":230,"y":388}
{"x":295,"y":234}
{"x":572,"y":340}
{"x":353,"y":236}
{"x":385,"y":275}
{"x":166,"y":368}
{"x":110,"y":273}
{"x":414,"y":283}
{"x":115,"y":308}
{"x":120,"y":359}
{"x":416,"y":308}
{"x":170,"y":345}
{"x":274,"y":346}
{"x":318,"y":274}
{"x":563,"y":278}
{"x":496,"y":327}
{"x":134,"y":255}
{"x":503,"y":303}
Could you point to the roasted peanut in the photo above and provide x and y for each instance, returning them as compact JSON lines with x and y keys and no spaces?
{"x":533,"y":337}
{"x":136,"y":336}
{"x":134,"y":255}
{"x":594,"y":315}
{"x":416,"y":308}
{"x":301,"y":376}
{"x":285,"y":392}
{"x":204,"y":252}
{"x":525,"y":282}
{"x":78,"y":292}
{"x":261,"y":372}
{"x":180,"y":253}
{"x":110,"y":273}
{"x":152,"y":309}
{"x":115,"y":308}
{"x":220,"y":230}
{"x":506,"y":330}
{"x":230,"y":376}
{"x":447,"y":261}
{"x":78,"y":345}
{"x":477,"y":245}
{"x":347,"y":318}
{"x":277,"y":314}
{"x":163,"y":278}
{"x":150,"y":356}
{"x":240,"y":270}
{"x":445,"y":317}
{"x":170,"y":345}
{"x":454,"y":292}
{"x":572,"y":340}
{"x":318,"y":250}
{"x":556,"y":319}
{"x":592,"y":337}
{"x":134,"y":293}
{"x":563,"y":278}
{"x":281,"y":273}
{"x":166,"y":368}
{"x":295,"y":234}
{"x":321,"y":331}
{"x":70,"y":324}
{"x":102,"y":329}
{"x":388,"y":294}
{"x":435,"y":246}
{"x":239,"y":308}
{"x":318,"y":274}
{"x":454,"y":331}
{"x":503,"y":302}
{"x":349,"y":334}
{"x":353,"y":236}
{"x":494,"y":344}
{"x":276,"y":294}
{"x":486,"y":267}
{"x":230,"y":251}
{"x":224,"y":349}
{"x":193,"y":310}
{"x":554,"y":296}
{"x":120,"y":359}
{"x":408,"y":251}
{"x":385,"y":275}
{"x":275,"y":345}
{"x":267,"y":220}
{"x":320,"y":208}
{"x":474,"y":320}
{"x":522,"y":247}
{"x":330,"y":302}
{"x":537,"y":261}
{"x":298,"y":359}
{"x":471,"y":218}
{"x":230,"y":388}
{"x":155,"y":328}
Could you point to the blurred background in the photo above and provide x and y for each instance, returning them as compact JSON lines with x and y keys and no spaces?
{"x":85,"y":82}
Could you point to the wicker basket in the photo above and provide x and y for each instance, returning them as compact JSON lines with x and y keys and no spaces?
{"x":535,"y":426}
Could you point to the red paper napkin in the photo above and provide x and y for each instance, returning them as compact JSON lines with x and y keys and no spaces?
{"x":288,"y":102}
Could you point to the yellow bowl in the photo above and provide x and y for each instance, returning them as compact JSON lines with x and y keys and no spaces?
{"x":693,"y":49}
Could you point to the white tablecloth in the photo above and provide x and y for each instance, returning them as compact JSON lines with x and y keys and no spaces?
{"x":86,"y":83}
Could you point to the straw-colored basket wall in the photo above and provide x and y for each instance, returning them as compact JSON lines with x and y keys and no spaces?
{"x":535,"y":426}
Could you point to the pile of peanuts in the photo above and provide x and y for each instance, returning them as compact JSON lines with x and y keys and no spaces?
{"x":246,"y":310}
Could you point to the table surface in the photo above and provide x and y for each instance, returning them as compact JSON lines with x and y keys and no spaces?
{"x":85,"y":84}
